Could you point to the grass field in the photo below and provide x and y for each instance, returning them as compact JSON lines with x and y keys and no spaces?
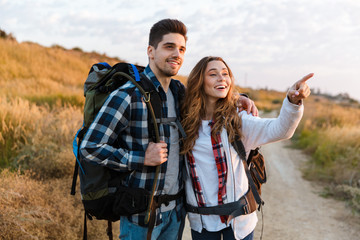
{"x":41,"y":100}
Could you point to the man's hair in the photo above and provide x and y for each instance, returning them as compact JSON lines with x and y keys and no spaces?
{"x":164,"y":27}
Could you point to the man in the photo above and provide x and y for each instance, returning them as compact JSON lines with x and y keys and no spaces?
{"x":123,"y":120}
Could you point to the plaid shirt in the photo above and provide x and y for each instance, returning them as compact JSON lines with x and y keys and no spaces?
{"x":123,"y":120}
{"x":220,"y":161}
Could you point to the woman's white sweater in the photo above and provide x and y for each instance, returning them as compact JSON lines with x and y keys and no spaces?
{"x":256,"y":132}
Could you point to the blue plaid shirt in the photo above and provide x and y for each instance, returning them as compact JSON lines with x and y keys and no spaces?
{"x":123,"y":121}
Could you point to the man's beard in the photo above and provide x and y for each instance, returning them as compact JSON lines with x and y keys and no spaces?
{"x":168,"y":72}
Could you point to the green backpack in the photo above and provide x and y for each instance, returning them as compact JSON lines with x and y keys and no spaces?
{"x":102,"y":194}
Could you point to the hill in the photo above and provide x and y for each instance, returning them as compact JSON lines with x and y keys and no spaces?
{"x":41,"y":100}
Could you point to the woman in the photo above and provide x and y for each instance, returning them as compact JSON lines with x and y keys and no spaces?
{"x":215,"y":174}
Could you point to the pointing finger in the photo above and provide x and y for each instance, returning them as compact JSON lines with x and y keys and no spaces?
{"x":299,"y":84}
{"x":307,"y":77}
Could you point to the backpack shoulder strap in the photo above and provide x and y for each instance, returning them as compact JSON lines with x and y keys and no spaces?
{"x":151,"y":98}
{"x":154,"y":105}
{"x":181,"y":91}
{"x":240,"y":149}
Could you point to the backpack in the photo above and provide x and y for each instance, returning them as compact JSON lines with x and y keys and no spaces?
{"x":256,"y":174}
{"x":256,"y":164}
{"x":102,"y":194}
{"x":255,"y":169}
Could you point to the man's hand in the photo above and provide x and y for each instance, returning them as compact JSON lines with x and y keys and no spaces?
{"x":155,"y":154}
{"x":300,"y":90}
{"x":247,"y":104}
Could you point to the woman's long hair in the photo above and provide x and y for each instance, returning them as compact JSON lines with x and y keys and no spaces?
{"x":194,"y":108}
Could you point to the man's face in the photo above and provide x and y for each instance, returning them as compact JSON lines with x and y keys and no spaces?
{"x":167,"y":58}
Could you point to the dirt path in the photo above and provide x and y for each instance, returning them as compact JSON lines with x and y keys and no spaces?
{"x":293,"y":208}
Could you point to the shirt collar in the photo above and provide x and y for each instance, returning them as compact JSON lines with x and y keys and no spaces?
{"x":150,"y":75}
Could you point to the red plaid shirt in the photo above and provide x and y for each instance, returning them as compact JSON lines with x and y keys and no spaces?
{"x":220,"y":161}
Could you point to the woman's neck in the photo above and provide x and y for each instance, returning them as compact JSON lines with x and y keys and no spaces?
{"x":210,"y":108}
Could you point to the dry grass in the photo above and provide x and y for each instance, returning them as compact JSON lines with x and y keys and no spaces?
{"x":16,"y":124}
{"x":43,"y":75}
{"x":41,"y":109}
{"x":265,"y":100}
{"x":36,"y":138}
{"x":31,"y":209}
{"x":32,"y":61}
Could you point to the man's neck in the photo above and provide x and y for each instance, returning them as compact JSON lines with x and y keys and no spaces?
{"x":165,"y":82}
{"x":163,"y":79}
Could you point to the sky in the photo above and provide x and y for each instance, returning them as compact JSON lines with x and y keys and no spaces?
{"x":267,"y":44}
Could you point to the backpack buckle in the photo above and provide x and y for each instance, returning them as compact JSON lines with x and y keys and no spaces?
{"x":147,"y":97}
{"x":246,"y":209}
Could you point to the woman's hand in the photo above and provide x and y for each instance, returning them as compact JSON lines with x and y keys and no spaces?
{"x":300,"y":90}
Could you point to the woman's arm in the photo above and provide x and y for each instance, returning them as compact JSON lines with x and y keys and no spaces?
{"x":258,"y":131}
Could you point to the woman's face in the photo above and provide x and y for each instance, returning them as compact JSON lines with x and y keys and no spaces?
{"x":217,"y":81}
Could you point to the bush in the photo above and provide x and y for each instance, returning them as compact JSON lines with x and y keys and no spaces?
{"x":5,"y":35}
{"x":37,"y":138}
{"x":346,"y":192}
{"x":331,"y":135}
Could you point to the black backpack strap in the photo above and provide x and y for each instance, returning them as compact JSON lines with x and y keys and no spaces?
{"x":109,"y":230}
{"x":76,"y":171}
{"x":80,"y":135}
{"x":245,"y":205}
{"x":85,"y":227}
{"x":154,"y":108}
{"x":240,"y":149}
{"x":181,"y":96}
{"x":147,"y":89}
{"x":155,"y":102}
{"x":175,"y":122}
{"x":166,"y":198}
{"x":181,"y":91}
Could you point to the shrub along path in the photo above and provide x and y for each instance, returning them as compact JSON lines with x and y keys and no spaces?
{"x":293,"y":206}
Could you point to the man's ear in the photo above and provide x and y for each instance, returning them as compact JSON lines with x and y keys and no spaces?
{"x":150,"y":51}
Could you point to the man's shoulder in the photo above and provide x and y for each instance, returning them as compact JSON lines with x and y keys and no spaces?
{"x":177,"y":84}
{"x":126,"y":91}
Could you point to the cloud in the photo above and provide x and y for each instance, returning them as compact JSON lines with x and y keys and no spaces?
{"x":264,"y":40}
